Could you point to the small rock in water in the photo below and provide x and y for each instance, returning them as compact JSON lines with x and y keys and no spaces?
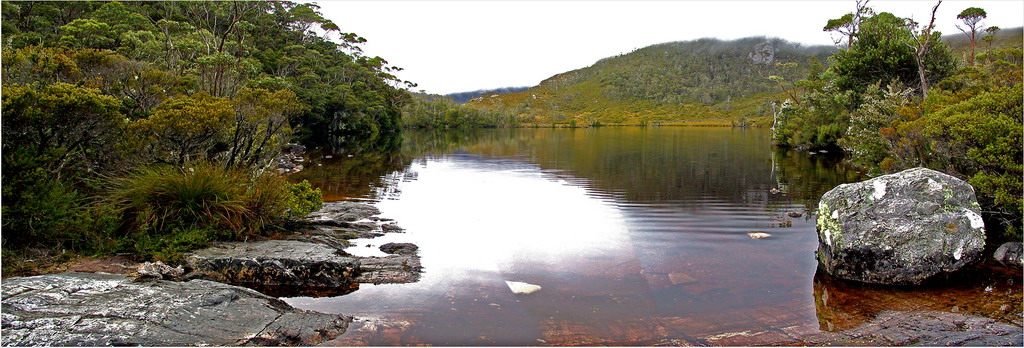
{"x":680,"y":278}
{"x":520,"y":288}
{"x":782,"y":222}
{"x":795,"y":214}
{"x":758,"y":235}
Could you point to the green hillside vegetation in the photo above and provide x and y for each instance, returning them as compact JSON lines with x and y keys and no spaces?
{"x":431,"y":111}
{"x":151,"y":127}
{"x":706,"y":81}
{"x":964,"y":118}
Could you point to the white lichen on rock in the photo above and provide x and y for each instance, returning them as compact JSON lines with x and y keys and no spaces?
{"x":879,"y":186}
{"x":976,"y":221}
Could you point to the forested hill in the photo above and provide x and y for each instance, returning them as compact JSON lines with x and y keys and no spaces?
{"x":706,"y":80}
{"x":146,"y":53}
{"x":462,"y":97}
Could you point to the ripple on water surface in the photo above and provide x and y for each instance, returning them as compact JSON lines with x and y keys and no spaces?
{"x":634,"y":236}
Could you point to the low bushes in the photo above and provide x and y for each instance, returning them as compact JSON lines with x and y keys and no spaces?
{"x":165,"y":210}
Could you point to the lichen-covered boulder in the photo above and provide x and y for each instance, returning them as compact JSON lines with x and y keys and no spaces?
{"x":900,"y":228}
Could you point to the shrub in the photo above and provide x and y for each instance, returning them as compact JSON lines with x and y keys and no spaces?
{"x":168,"y":246}
{"x":164,"y":210}
{"x":304,"y":199}
{"x":42,"y":211}
{"x":163,"y":198}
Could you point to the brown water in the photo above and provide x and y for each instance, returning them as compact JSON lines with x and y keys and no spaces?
{"x":636,"y":236}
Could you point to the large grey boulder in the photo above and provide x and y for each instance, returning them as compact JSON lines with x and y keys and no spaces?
{"x":94,"y":309}
{"x":900,"y":228}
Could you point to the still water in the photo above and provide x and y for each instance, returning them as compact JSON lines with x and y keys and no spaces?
{"x":636,"y":236}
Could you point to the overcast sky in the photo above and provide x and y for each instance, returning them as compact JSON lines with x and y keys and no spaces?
{"x":458,"y":46}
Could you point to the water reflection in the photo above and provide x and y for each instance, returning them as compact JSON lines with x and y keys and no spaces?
{"x":983,"y":290}
{"x":635,"y":235}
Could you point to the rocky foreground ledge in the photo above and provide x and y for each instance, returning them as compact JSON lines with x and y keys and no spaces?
{"x":311,"y":262}
{"x":95,"y":309}
{"x":191,"y":305}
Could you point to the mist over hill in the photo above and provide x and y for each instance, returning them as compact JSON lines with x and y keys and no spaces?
{"x":462,"y":97}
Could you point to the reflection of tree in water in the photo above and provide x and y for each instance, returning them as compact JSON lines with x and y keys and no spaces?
{"x":356,"y":168}
{"x":363,"y":167}
{"x":805,"y":177}
{"x":640,"y":164}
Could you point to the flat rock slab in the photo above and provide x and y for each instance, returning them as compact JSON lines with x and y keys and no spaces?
{"x":343,"y":211}
{"x":274,"y":263}
{"x":924,"y":328}
{"x":95,"y":309}
{"x":390,"y":269}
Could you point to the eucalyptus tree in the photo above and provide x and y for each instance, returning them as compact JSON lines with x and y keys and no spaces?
{"x":922,"y":43}
{"x":971,"y":17}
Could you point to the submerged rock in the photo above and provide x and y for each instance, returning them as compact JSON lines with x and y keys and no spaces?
{"x":399,"y":248}
{"x":900,"y":228}
{"x":521,"y":288}
{"x":90,"y":309}
{"x":403,"y":268}
{"x":923,"y":328}
{"x":1009,"y":254}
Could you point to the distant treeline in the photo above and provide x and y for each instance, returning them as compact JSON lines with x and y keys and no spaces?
{"x":462,"y":97}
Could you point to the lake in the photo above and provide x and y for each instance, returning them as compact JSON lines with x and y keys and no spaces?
{"x":635,"y":236}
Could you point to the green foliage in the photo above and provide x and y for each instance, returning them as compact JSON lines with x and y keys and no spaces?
{"x":261,"y":125}
{"x":869,"y":138}
{"x":213,"y":47}
{"x":883,"y":53}
{"x":169,"y":246}
{"x":433,"y":111}
{"x":67,"y":126}
{"x":971,"y":126}
{"x":39,"y":210}
{"x":980,"y":138}
{"x":162,"y":198}
{"x":304,"y":199}
{"x":183,"y":129}
{"x":705,"y":80}
{"x":206,"y":195}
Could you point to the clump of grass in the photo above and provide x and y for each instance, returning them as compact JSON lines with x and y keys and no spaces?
{"x":165,"y":210}
{"x":163,"y":197}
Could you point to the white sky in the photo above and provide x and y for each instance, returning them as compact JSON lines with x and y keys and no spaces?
{"x":458,"y":46}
